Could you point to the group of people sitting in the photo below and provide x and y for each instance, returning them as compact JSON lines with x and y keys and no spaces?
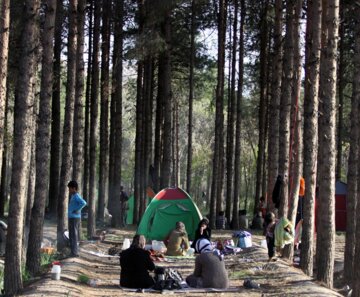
{"x":209,"y":272}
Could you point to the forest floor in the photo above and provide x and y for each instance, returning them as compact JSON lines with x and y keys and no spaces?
{"x":276,"y":278}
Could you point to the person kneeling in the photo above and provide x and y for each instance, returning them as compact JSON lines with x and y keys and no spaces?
{"x":135,"y":263}
{"x":209,"y":270}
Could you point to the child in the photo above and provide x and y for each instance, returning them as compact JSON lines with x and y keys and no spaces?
{"x":270,"y":236}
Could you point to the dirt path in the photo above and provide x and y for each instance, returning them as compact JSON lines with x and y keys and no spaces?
{"x":275,"y":279}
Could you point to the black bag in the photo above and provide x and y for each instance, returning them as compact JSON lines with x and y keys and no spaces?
{"x":172,"y":279}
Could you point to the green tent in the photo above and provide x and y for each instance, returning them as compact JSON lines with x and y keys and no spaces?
{"x":168,"y":207}
{"x":130,"y":211}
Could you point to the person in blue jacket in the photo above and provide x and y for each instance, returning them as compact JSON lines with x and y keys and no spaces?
{"x":76,"y":203}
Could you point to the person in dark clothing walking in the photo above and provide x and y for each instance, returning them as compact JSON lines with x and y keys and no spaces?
{"x":135,"y":265}
{"x":124,"y":205}
{"x":76,"y":203}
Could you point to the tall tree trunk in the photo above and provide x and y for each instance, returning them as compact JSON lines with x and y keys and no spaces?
{"x":285,"y":100}
{"x":66,"y":166}
{"x":114,"y":203}
{"x":138,"y":143}
{"x":352,"y":176}
{"x":139,"y":155}
{"x":104,"y":116}
{"x":356,"y":98}
{"x":56,"y":112}
{"x":147,"y":124}
{"x":341,"y":88}
{"x":296,"y":141}
{"x":237,"y":166}
{"x":231,"y":121}
{"x":191,"y":96}
{"x":30,"y":193}
{"x":312,"y":68}
{"x":87,"y":106}
{"x":24,"y":101}
{"x":352,"y":243}
{"x":42,"y":143}
{"x":94,"y":121}
{"x":217,"y":178}
{"x":78,"y":135}
{"x":4,"y":53}
{"x":327,"y":150}
{"x":262,"y":104}
{"x":167,"y":155}
{"x":273,"y":144}
{"x":5,"y":158}
{"x":159,"y":126}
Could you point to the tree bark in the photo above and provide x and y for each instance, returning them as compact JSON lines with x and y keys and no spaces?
{"x":312,"y":68}
{"x":66,"y":166}
{"x":231,"y":122}
{"x":104,"y":115}
{"x":87,"y":105}
{"x":114,"y":203}
{"x":285,"y":101}
{"x":327,"y":150}
{"x":341,"y":89}
{"x":78,"y":135}
{"x":24,"y":101}
{"x":94,"y":110}
{"x":217,"y":178}
{"x":237,"y":165}
{"x":56,"y":112}
{"x":273,"y":144}
{"x":191,"y":96}
{"x":353,"y":218}
{"x":167,"y":99}
{"x":42,"y":143}
{"x":4,"y":53}
{"x":5,"y":166}
{"x":262,"y":104}
{"x":296,"y":143}
{"x":352,"y":176}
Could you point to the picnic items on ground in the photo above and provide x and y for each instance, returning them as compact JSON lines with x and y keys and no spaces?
{"x":242,"y":239}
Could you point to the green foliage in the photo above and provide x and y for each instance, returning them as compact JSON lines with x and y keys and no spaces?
{"x":83,"y":278}
{"x":26,"y":276}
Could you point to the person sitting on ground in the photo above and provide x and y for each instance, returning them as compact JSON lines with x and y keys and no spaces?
{"x":135,"y":263}
{"x":221,"y":221}
{"x":258,"y":221}
{"x":177,"y":241}
{"x":203,"y":231}
{"x":269,"y":233}
{"x":209,"y":269}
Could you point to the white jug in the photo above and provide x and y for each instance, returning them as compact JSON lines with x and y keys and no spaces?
{"x":56,"y":272}
{"x":126,"y":244}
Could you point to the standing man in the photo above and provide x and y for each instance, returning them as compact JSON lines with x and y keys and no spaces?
{"x":76,"y":203}
{"x":124,"y":205}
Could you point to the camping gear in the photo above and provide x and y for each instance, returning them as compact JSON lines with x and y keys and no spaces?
{"x":56,"y":271}
{"x":243,"y":239}
{"x":169,"y":206}
{"x":130,"y":211}
{"x":158,"y":246}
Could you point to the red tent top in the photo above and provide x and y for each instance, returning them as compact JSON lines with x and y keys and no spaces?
{"x":171,"y":194}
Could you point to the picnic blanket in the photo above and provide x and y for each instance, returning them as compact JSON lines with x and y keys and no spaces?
{"x":185,"y":290}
